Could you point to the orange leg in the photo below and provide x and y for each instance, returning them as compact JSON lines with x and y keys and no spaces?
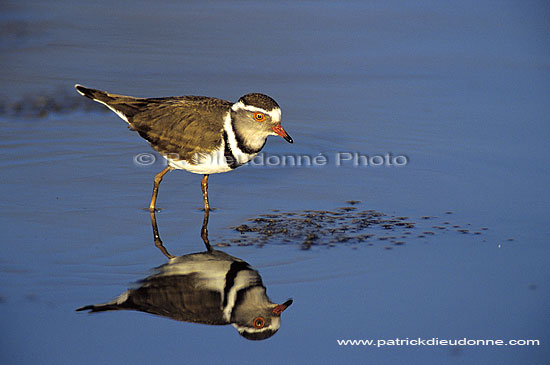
{"x":204,"y":186}
{"x":156,"y":236}
{"x":158,"y":179}
{"x":204,"y":231}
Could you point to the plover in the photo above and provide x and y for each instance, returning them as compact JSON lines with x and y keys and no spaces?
{"x":209,"y":287}
{"x":200,"y":134}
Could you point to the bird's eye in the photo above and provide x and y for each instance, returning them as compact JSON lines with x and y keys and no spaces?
{"x":259,"y":117}
{"x":259,"y":322}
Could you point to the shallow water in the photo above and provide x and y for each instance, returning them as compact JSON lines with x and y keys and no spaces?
{"x":461,"y":90}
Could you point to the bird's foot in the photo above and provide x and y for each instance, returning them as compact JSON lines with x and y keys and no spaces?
{"x":209,"y":209}
{"x":152,"y":210}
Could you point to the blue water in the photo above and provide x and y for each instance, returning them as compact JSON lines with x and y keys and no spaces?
{"x":462,"y":90}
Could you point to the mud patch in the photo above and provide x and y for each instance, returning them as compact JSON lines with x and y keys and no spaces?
{"x":347,"y":225}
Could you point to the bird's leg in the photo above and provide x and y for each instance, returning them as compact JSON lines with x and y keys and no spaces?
{"x":158,"y":179}
{"x":158,"y":241}
{"x":204,"y":231}
{"x":204,"y":186}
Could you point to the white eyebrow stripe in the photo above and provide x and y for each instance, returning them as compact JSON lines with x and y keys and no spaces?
{"x":275,"y":114}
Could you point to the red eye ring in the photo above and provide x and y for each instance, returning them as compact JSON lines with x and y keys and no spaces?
{"x":259,"y":322}
{"x":259,"y":117}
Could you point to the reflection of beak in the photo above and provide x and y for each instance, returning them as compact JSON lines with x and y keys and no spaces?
{"x":281,"y":307}
{"x":281,"y":132}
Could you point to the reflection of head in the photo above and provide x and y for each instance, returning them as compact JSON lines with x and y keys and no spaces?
{"x":211,"y":288}
{"x":254,"y":315}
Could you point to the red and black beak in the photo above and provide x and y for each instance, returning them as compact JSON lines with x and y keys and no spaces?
{"x":281,"y":307}
{"x":281,"y":132}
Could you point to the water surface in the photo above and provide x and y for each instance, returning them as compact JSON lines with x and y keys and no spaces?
{"x":462,"y":90}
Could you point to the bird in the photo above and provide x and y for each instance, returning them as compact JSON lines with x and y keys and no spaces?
{"x":200,"y":134}
{"x":207,"y":287}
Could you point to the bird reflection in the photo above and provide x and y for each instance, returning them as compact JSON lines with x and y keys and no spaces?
{"x":209,"y":287}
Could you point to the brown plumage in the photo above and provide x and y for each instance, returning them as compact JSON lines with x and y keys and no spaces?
{"x":179,"y":125}
{"x":200,"y":134}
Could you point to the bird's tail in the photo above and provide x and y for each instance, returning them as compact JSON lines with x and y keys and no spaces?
{"x":97,"y":95}
{"x":124,"y":106}
{"x":99,"y":307}
{"x":117,"y":304}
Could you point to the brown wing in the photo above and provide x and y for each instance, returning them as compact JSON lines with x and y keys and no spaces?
{"x":176,"y":297}
{"x":183,"y":125}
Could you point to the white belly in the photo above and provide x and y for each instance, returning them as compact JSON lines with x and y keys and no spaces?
{"x":207,"y":163}
{"x":199,"y":168}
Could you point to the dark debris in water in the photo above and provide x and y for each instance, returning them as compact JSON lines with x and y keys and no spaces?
{"x":342,"y":226}
{"x":44,"y":105}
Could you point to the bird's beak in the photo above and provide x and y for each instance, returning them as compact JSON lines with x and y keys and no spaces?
{"x":281,"y":132}
{"x":281,"y":307}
